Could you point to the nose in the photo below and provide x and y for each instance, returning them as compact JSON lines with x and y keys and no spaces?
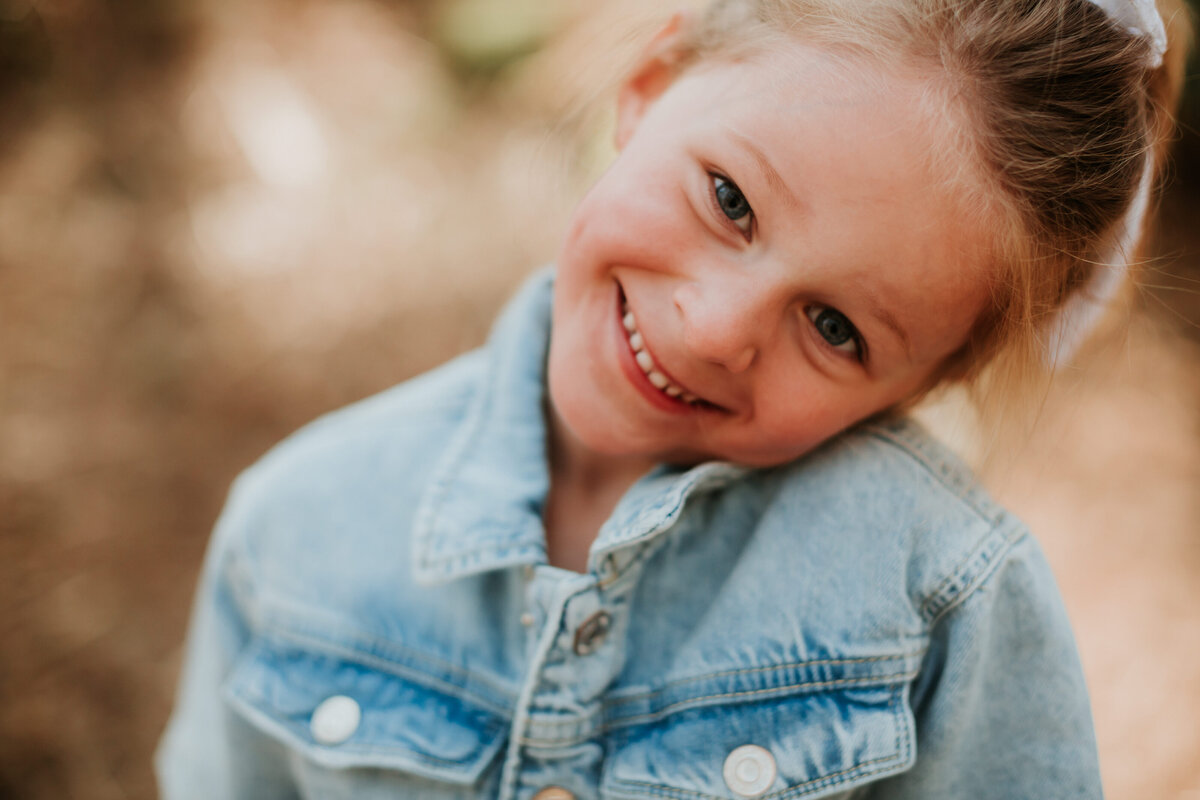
{"x":720,"y":324}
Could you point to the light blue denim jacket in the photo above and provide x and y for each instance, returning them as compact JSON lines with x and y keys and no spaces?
{"x":376,"y":619}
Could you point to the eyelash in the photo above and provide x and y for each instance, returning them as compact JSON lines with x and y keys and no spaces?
{"x":859,"y":352}
{"x":715,"y":182}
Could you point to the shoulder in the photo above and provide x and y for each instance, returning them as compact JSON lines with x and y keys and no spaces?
{"x":890,"y":502}
{"x":331,"y":505}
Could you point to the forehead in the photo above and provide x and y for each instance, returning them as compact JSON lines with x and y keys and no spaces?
{"x":883,"y":192}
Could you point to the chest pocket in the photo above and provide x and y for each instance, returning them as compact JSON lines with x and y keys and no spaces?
{"x":362,"y":726}
{"x":817,"y":742}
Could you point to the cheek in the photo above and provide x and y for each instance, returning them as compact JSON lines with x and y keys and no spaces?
{"x":566,"y":379}
{"x":635,"y":207}
{"x":793,"y":419}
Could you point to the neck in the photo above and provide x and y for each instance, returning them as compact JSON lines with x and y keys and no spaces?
{"x":585,"y":487}
{"x":573,"y":463}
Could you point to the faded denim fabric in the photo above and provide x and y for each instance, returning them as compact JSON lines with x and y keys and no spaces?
{"x":866,"y":616}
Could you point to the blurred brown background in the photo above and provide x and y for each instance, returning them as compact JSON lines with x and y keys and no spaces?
{"x":221,"y":219}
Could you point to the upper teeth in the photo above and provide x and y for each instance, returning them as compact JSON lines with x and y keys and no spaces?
{"x":638,"y":345}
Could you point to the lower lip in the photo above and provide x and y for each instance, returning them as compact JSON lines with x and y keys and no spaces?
{"x":638,"y":378}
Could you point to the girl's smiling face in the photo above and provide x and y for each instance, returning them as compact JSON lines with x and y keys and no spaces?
{"x":773,"y":241}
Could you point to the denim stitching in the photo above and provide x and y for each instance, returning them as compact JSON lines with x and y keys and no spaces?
{"x":658,"y":789}
{"x":944,"y":592}
{"x":935,"y":606}
{"x":889,"y":678}
{"x":937,"y":470}
{"x":402,"y":671}
{"x":242,"y":699}
{"x":666,"y":710}
{"x":944,"y":597}
{"x":281,"y":620}
{"x":883,"y":763}
{"x":450,"y":466}
{"x":747,"y":670}
{"x":310,"y":635}
{"x":613,"y":723}
{"x":902,"y":751}
{"x":668,"y":509}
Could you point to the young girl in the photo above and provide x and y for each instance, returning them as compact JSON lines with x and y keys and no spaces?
{"x":668,"y":534}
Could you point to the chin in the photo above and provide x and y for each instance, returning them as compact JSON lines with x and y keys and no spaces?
{"x":594,"y":425}
{"x":588,"y":424}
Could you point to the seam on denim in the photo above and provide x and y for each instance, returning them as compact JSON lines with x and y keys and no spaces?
{"x":938,"y":471}
{"x":416,"y":675}
{"x":790,"y":791}
{"x":1000,"y":524}
{"x":611,"y":723}
{"x":436,"y":497}
{"x":241,"y":700}
{"x":900,"y":704}
{"x":676,"y":502}
{"x":605,"y":708}
{"x":961,"y":574}
{"x":671,"y":708}
{"x":402,"y":671}
{"x":287,"y":620}
{"x":451,"y":562}
{"x":1010,"y":537}
{"x":608,"y":725}
{"x":818,"y":662}
{"x":673,"y":504}
{"x":985,"y":575}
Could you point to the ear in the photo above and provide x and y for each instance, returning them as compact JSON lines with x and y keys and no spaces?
{"x":655,"y":70}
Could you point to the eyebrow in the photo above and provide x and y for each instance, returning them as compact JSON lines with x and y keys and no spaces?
{"x":889,"y":321}
{"x":887,"y":318}
{"x":772,"y":176}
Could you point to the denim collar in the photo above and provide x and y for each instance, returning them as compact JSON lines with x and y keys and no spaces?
{"x":482,"y":509}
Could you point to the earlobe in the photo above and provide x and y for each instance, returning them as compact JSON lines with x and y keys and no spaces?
{"x":655,"y":70}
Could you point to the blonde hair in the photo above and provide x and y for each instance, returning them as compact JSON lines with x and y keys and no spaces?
{"x":1057,"y":108}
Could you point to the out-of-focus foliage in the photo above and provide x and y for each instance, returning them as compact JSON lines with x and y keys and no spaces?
{"x":484,"y":36}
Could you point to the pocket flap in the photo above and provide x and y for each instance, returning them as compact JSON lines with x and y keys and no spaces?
{"x":815,"y":744}
{"x":400,"y":723}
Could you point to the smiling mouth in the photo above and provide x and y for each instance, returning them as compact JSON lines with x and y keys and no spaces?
{"x":657,"y":377}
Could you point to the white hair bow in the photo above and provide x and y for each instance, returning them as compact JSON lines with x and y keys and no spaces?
{"x":1082,"y":310}
{"x":1141,"y":18}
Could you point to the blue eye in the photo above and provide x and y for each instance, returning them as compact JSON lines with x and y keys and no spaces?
{"x":836,"y":329}
{"x":733,"y":203}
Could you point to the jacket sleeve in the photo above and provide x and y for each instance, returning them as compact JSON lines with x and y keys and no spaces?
{"x":207,"y":751}
{"x":1001,"y":706}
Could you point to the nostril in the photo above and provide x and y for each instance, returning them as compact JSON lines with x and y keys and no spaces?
{"x":742,"y":361}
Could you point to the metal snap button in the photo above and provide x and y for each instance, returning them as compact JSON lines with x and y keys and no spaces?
{"x":335,"y":720}
{"x":553,"y":793}
{"x":590,"y":635}
{"x":749,"y":770}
